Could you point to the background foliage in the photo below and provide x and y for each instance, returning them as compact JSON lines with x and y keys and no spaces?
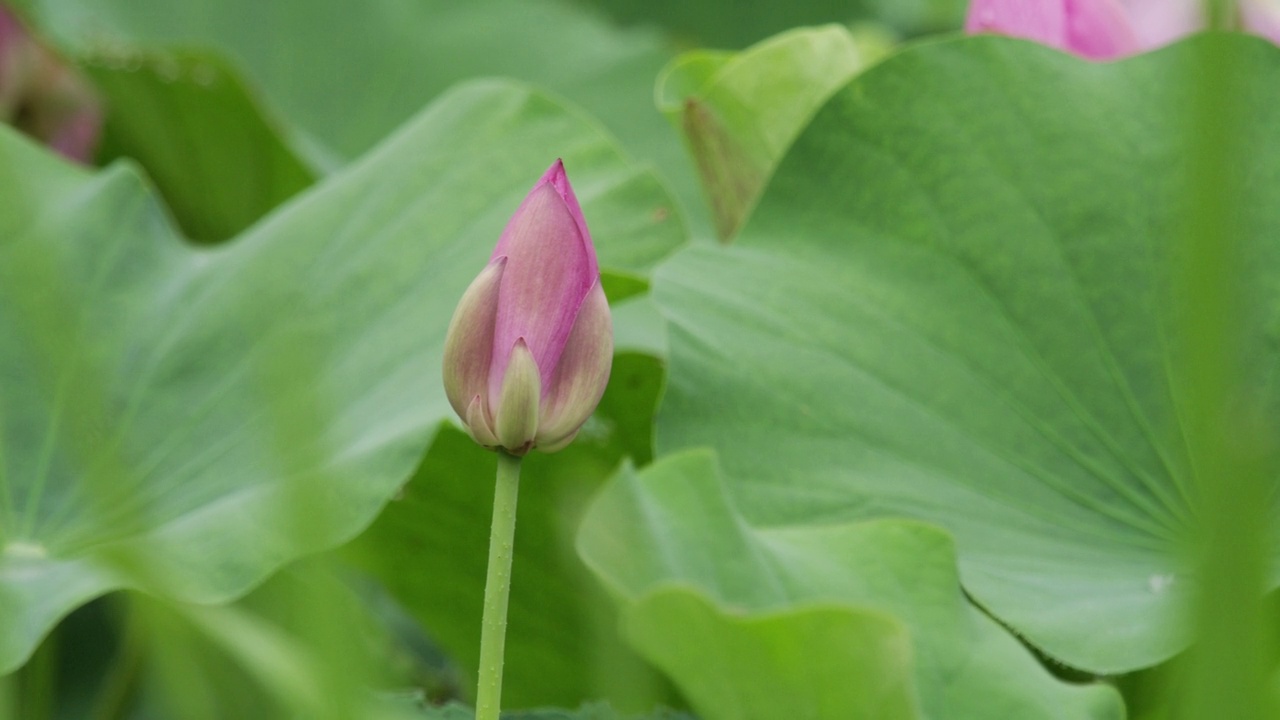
{"x":903,"y":421}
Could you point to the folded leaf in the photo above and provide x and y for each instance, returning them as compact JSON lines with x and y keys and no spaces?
{"x":185,"y":421}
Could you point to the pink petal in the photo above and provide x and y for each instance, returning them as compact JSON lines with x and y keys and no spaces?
{"x":1160,"y":22}
{"x":1099,"y":30}
{"x":1261,"y":17}
{"x":13,"y":44}
{"x":468,"y":343}
{"x":1044,"y":21}
{"x":1093,"y":29}
{"x":478,"y":425}
{"x":10,"y":30}
{"x":551,"y":266}
{"x":559,"y":180}
{"x":62,"y":109}
{"x":77,"y":136}
{"x":515,"y":408}
{"x":582,"y":374}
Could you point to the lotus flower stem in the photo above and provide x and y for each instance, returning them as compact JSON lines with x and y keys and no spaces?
{"x":497,"y":588}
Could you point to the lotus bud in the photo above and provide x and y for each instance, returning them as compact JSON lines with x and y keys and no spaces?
{"x":528,"y":352}
{"x":1092,"y":29}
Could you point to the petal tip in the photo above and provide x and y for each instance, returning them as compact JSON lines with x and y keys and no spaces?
{"x":516,"y":415}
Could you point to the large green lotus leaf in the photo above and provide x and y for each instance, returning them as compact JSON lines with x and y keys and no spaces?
{"x":429,"y":548}
{"x":185,"y":421}
{"x":596,"y":711}
{"x":638,"y":327}
{"x":952,"y":304}
{"x":294,"y":637}
{"x":736,"y":24}
{"x":739,"y":112}
{"x":300,"y":645}
{"x":347,"y":75}
{"x":849,"y":619}
{"x":795,"y":664}
{"x":343,"y":75}
{"x":200,"y":135}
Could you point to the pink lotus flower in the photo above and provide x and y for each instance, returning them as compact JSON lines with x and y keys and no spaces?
{"x":1093,"y":29}
{"x":528,"y":353}
{"x":42,"y":97}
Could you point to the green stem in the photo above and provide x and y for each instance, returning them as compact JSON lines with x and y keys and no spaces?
{"x":493,"y":630}
{"x":1231,"y":443}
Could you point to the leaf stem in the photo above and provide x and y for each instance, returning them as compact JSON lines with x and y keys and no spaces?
{"x":493,"y":630}
{"x":1230,"y":432}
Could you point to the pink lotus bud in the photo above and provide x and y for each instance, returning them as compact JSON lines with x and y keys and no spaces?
{"x":1093,"y":29}
{"x":42,"y":97}
{"x":528,"y":352}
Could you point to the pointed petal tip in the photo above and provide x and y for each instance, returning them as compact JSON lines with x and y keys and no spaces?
{"x":560,"y":181}
{"x":515,"y":421}
{"x":553,"y":266}
{"x":556,"y":177}
{"x":478,"y":425}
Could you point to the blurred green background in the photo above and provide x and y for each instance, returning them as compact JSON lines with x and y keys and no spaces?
{"x":946,"y":379}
